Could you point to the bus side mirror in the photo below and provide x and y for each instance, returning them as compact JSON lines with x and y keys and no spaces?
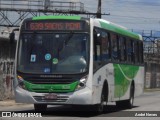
{"x":12,"y":37}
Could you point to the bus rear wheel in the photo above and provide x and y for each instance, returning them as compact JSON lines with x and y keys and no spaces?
{"x":40,"y":107}
{"x":130,"y":101}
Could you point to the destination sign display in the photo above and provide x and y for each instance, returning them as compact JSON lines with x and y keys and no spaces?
{"x":54,"y":25}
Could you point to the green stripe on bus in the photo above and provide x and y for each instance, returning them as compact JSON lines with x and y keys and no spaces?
{"x":57,"y":17}
{"x":122,"y":73}
{"x":49,"y":88}
{"x":119,"y":30}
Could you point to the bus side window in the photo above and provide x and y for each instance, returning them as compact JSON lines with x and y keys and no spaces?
{"x":105,"y":46}
{"x":137,"y":52}
{"x":122,"y":48}
{"x":129,"y":50}
{"x":114,"y":47}
{"x":133,"y":52}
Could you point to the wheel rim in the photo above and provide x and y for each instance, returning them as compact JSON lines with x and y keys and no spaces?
{"x":131,"y":101}
{"x":132,"y":96}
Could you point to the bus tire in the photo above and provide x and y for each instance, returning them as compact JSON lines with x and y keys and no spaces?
{"x":100,"y":106}
{"x":40,"y":107}
{"x":130,"y":101}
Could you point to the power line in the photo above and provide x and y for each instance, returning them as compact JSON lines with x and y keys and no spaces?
{"x":136,"y":2}
{"x":134,"y":17}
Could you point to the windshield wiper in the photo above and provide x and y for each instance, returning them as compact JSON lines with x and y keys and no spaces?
{"x":33,"y":40}
{"x":68,"y":38}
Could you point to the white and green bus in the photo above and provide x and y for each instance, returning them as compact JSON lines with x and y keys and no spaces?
{"x":71,"y":60}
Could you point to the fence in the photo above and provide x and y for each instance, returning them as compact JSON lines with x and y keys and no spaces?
{"x":41,"y":5}
{"x":152,"y":75}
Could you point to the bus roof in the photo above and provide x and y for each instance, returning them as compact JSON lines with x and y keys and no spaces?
{"x":118,"y":29}
{"x":57,"y":17}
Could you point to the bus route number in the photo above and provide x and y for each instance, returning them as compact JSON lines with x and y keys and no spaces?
{"x":55,"y":26}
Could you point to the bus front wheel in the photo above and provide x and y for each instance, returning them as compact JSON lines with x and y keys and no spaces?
{"x":100,"y":107}
{"x":40,"y":107}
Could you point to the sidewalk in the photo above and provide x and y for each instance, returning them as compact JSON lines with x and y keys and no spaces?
{"x":9,"y":103}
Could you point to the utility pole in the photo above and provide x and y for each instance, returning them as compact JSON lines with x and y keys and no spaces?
{"x":99,"y":15}
{"x":46,"y":4}
{"x":45,"y":7}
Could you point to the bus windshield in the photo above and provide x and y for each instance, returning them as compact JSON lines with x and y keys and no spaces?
{"x":53,"y":53}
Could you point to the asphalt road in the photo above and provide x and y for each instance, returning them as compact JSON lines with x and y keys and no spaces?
{"x":146,"y":107}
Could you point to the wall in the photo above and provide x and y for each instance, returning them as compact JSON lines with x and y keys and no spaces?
{"x":7,"y":53}
{"x":152,"y":75}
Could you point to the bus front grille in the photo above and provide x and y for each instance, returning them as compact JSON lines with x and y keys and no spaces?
{"x":58,"y":99}
{"x":50,"y":81}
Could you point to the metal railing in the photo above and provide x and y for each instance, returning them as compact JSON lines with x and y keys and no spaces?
{"x":41,"y":5}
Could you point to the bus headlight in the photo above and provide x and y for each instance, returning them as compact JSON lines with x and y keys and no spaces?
{"x":82,"y":83}
{"x":21,"y":82}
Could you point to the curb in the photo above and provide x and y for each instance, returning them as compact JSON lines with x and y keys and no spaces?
{"x":9,"y":103}
{"x":151,"y":90}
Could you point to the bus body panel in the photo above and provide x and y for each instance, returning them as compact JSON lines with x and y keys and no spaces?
{"x":139,"y":80}
{"x":79,"y":97}
{"x":118,"y":77}
{"x":139,"y":85}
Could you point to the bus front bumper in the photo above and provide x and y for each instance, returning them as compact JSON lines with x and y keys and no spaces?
{"x":79,"y":97}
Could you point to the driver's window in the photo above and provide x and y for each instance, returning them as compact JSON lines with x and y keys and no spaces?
{"x":101,"y":47}
{"x":97,"y":44}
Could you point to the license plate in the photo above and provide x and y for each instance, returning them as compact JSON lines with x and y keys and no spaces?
{"x":51,"y":96}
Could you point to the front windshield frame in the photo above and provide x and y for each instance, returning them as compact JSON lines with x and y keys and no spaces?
{"x":69,"y":36}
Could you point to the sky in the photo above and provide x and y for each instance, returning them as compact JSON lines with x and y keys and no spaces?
{"x":132,"y":14}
